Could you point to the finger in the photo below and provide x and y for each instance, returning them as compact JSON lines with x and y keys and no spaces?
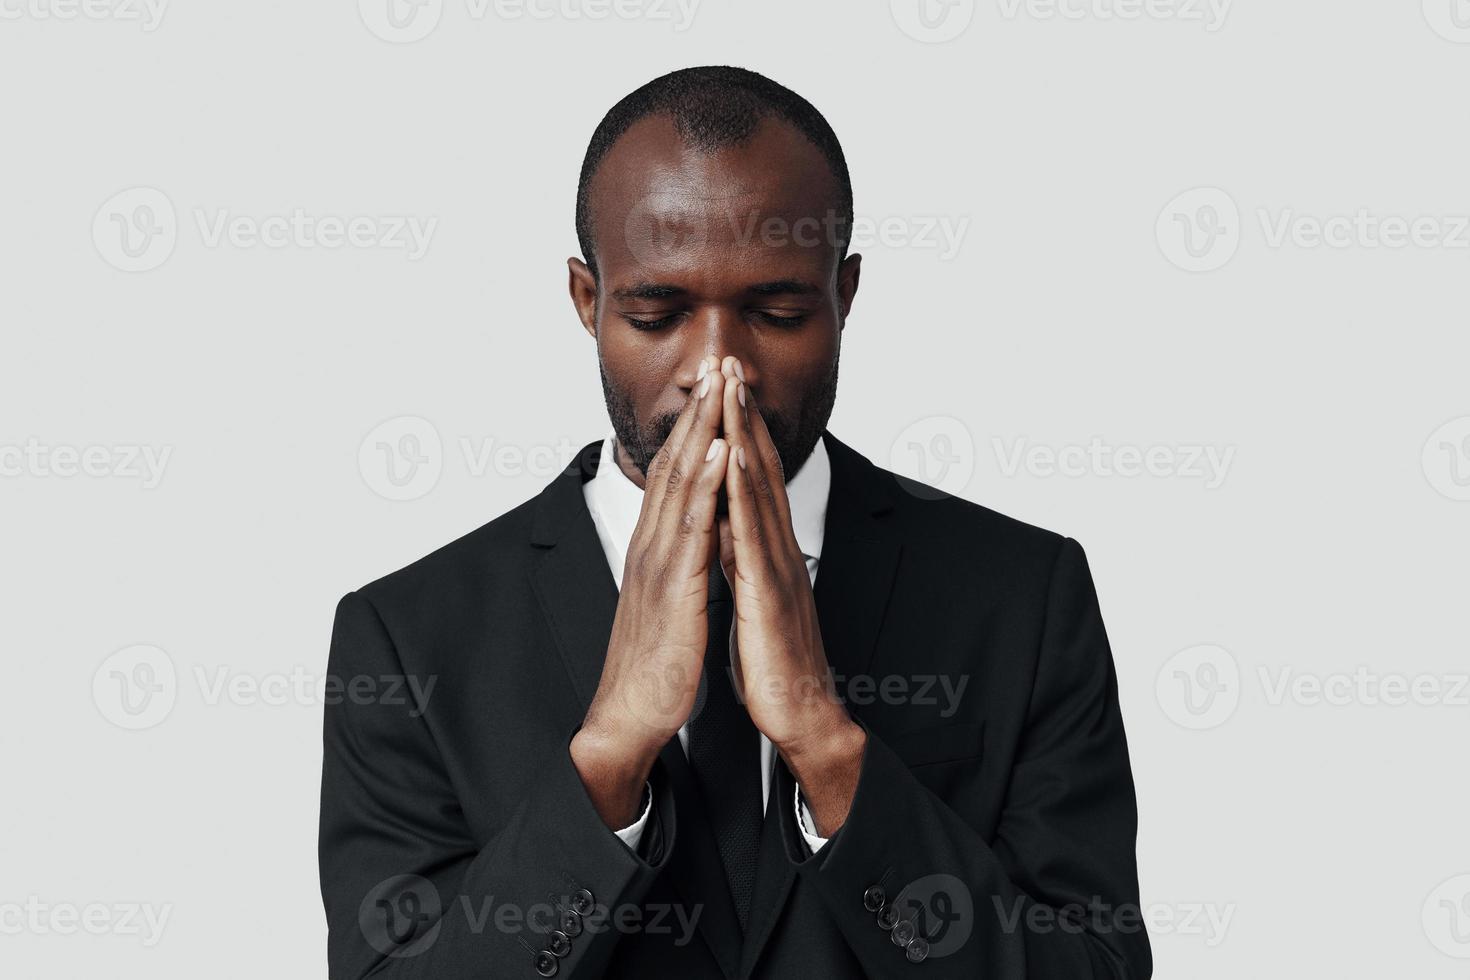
{"x":740,"y":417}
{"x":747,"y":550}
{"x":693,"y":533}
{"x":770,"y":458}
{"x":657,"y":478}
{"x":680,"y":479}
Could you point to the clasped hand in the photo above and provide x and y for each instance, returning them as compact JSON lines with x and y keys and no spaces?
{"x":656,"y":651}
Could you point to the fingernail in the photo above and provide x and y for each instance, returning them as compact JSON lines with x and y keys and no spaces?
{"x":704,"y":387}
{"x":740,"y":457}
{"x":703,"y":370}
{"x":714,"y":448}
{"x":740,"y":394}
{"x":739,"y":371}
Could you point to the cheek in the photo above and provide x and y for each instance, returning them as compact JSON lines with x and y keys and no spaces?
{"x":792,"y":366}
{"x":638,"y":366}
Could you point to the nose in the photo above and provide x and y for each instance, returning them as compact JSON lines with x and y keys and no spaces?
{"x":710,"y":336}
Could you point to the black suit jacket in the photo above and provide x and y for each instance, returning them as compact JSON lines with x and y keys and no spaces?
{"x":997,"y":817}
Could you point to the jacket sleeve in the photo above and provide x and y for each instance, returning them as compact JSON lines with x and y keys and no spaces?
{"x":1054,"y":893}
{"x":409,"y":893}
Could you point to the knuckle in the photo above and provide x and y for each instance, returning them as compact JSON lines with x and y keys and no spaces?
{"x":763,"y":486}
{"x":758,"y":535}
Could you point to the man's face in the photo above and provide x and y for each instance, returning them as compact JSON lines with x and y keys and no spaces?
{"x":733,"y":252}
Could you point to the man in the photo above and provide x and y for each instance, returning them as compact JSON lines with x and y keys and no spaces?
{"x":654,"y":747}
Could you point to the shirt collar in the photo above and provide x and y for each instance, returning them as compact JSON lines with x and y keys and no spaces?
{"x":615,"y":501}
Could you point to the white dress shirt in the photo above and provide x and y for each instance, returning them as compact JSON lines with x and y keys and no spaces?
{"x":615,"y":502}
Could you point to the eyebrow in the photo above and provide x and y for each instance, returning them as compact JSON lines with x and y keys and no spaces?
{"x":775,"y":287}
{"x":647,"y":290}
{"x":780,"y":287}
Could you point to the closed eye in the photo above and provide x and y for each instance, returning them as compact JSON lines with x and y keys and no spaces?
{"x":657,"y":323}
{"x":780,"y":320}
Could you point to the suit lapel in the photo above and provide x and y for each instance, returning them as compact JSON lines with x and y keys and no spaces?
{"x":859,"y":558}
{"x":854,"y":577}
{"x":572,"y":582}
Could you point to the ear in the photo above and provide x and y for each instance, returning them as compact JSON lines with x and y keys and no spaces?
{"x":847,"y":283}
{"x":582,"y":285}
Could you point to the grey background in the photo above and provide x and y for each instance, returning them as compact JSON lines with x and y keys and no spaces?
{"x":1091,"y":158}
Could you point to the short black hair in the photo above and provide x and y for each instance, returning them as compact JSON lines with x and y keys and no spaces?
{"x":713,"y":107}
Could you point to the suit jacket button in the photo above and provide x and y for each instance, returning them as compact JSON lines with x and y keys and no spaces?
{"x":887,"y":917}
{"x":874,"y":898}
{"x":903,"y":932}
{"x":546,"y":964}
{"x":582,"y":902}
{"x":917,"y":950}
{"x":558,"y":944}
{"x":571,"y":923}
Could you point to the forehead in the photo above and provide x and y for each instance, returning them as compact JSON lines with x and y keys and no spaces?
{"x":660,"y":207}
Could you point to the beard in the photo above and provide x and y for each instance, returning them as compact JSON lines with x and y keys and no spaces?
{"x":793,"y":436}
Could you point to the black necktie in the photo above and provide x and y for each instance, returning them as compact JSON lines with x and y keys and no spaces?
{"x":725,"y":753}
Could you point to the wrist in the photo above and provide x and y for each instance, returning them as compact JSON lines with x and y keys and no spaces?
{"x":835,"y":749}
{"x":614,"y":773}
{"x":827,"y":770}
